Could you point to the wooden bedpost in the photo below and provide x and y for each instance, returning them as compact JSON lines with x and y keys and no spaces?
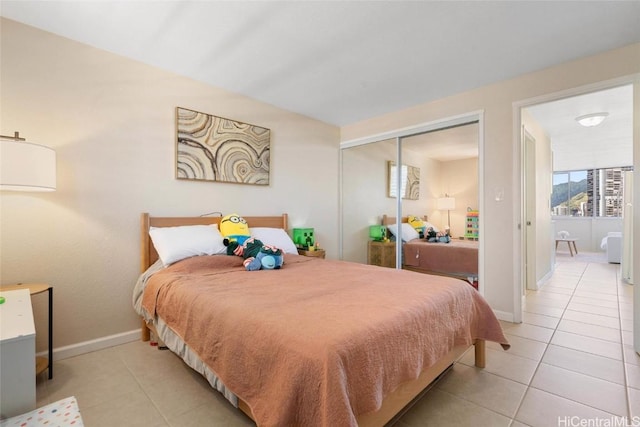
{"x":481,"y":357}
{"x":145,"y":335}
{"x":144,"y":242}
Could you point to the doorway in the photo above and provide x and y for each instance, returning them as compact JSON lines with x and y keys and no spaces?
{"x":530,"y":222}
{"x":604,"y":152}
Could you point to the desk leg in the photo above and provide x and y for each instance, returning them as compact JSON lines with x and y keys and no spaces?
{"x":575,"y":249}
{"x":50,"y":332}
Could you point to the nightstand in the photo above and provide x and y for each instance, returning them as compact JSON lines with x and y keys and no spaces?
{"x":37,"y":288}
{"x":17,"y":353}
{"x":318,"y":253}
{"x":382,"y":254}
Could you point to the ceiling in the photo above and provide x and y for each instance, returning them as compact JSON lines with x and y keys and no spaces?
{"x":576,"y":147}
{"x":455,"y":143}
{"x":338,"y":61}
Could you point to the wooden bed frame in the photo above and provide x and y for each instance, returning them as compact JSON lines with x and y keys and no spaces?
{"x":394,"y":405}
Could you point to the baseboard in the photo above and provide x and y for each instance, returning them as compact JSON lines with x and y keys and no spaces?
{"x":503,"y":315}
{"x":92,"y":345}
{"x":544,"y":280}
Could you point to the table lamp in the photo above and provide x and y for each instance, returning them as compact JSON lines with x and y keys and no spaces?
{"x":447,"y":203}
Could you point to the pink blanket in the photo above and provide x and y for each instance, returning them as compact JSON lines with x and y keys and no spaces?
{"x":318,"y":342}
{"x":457,"y":258}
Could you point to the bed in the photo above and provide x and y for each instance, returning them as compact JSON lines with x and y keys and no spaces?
{"x":458,"y":258}
{"x":318,"y":342}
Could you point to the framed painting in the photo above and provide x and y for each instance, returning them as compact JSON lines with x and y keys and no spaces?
{"x":409,"y":184}
{"x":211,"y":148}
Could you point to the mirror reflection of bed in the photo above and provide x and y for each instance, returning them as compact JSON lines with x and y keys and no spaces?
{"x":458,"y":258}
{"x":448,"y":163}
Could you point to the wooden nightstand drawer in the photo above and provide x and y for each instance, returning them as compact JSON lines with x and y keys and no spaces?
{"x":382,"y":254}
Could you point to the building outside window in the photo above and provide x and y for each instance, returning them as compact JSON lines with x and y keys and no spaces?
{"x":588,"y":193}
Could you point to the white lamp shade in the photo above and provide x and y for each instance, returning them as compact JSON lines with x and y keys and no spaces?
{"x":446,"y":203}
{"x":27,"y":167}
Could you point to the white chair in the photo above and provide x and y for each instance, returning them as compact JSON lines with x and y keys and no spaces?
{"x":613,"y":245}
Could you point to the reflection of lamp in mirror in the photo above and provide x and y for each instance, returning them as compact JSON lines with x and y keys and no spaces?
{"x":447,"y":203}
{"x":25,"y":166}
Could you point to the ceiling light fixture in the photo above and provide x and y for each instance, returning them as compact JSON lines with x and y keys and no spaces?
{"x":590,"y":120}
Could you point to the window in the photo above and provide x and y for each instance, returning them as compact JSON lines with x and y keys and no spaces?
{"x":591,"y":193}
{"x":393,"y":180}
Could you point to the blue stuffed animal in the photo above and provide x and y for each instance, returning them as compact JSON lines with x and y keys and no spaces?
{"x":257,"y":255}
{"x":434,"y":237}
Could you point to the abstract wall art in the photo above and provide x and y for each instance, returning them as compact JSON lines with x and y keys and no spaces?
{"x":410,"y":181}
{"x":211,"y":148}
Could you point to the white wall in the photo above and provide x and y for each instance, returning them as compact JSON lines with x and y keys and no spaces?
{"x":364,"y":190}
{"x":501,"y":170}
{"x":111,"y":121}
{"x":459,"y":178}
{"x":588,"y":231}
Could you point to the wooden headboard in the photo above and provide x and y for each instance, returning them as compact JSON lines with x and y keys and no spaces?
{"x":388,"y":220}
{"x":148,"y":254}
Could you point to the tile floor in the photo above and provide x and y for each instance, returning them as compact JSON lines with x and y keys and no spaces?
{"x":572,"y":356}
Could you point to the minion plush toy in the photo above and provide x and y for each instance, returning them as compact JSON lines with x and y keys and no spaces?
{"x":238,"y":240}
{"x":417,"y":223}
{"x":234,"y":229}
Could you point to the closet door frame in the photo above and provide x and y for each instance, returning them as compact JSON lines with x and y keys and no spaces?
{"x":398,"y":135}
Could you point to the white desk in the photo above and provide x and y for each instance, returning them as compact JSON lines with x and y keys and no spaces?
{"x":17,"y":354}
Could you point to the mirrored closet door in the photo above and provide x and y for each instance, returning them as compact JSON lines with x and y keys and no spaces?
{"x":431,"y":174}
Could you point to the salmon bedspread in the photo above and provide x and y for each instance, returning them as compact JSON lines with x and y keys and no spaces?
{"x":457,"y":258}
{"x":318,"y":342}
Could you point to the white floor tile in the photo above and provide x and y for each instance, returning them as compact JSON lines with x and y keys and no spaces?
{"x":594,"y":331}
{"x":585,"y":363}
{"x":588,"y":344}
{"x":591,"y":391}
{"x":439,"y":408}
{"x":540,"y":320}
{"x":522,"y":347}
{"x":634,"y":403}
{"x":633,"y":375}
{"x":592,"y":319}
{"x":542,"y":409}
{"x":505,"y":364}
{"x":532,"y":332}
{"x":484,"y":389}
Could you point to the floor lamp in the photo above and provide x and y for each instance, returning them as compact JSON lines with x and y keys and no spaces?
{"x":447,"y":203}
{"x":25,"y":166}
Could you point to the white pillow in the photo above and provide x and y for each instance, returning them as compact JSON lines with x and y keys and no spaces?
{"x":276,"y":237}
{"x":407,"y":232}
{"x":427,"y":225}
{"x":176,"y":243}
